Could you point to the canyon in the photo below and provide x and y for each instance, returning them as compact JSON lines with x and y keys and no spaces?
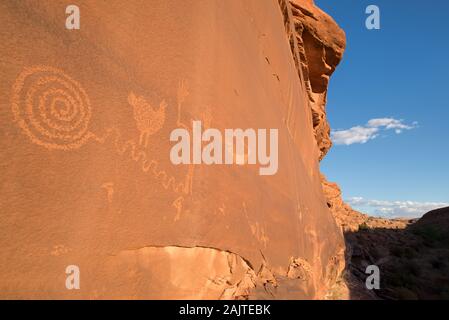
{"x":87,"y":181}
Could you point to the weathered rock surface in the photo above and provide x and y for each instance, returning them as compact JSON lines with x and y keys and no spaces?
{"x":321,"y":46}
{"x":347,"y":218}
{"x":86,"y":178}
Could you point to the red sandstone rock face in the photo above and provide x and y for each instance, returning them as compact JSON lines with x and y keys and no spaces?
{"x":321,"y":46}
{"x":347,"y":218}
{"x":86,"y":177}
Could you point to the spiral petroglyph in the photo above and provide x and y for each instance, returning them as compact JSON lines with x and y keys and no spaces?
{"x":51,"y":108}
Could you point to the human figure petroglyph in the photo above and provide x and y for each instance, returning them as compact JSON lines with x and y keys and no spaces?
{"x":148,"y":120}
{"x":179,"y":205}
{"x":206,"y":117}
{"x":181,"y":96}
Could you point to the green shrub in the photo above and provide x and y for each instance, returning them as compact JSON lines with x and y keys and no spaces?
{"x":363,"y":227}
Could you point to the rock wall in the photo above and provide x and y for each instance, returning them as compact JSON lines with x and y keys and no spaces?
{"x":321,"y":44}
{"x":86,"y":117}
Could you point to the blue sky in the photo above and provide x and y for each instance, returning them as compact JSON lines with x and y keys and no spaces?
{"x":398,"y":72}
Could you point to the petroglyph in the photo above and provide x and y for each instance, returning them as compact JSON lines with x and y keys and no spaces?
{"x":181,"y":96}
{"x":109,"y":187}
{"x":222,"y":209}
{"x":54,"y":111}
{"x":259,"y":233}
{"x":148,"y":165}
{"x":148,"y":120}
{"x":179,"y":205}
{"x":51,"y":108}
{"x":59,"y":250}
{"x":206,"y":117}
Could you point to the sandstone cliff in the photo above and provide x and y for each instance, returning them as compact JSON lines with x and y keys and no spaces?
{"x":86,"y":176}
{"x":321,"y":45}
{"x":318,"y":44}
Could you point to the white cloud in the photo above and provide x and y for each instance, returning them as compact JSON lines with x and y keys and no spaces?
{"x":388,"y":123}
{"x":394,"y":209}
{"x":354,"y":135}
{"x":362,"y":134}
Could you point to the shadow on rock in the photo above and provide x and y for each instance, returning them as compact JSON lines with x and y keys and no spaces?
{"x":412,"y":256}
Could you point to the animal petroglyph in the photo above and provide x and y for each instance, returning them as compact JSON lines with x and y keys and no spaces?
{"x":148,"y":165}
{"x":148,"y":120}
{"x":51,"y":108}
